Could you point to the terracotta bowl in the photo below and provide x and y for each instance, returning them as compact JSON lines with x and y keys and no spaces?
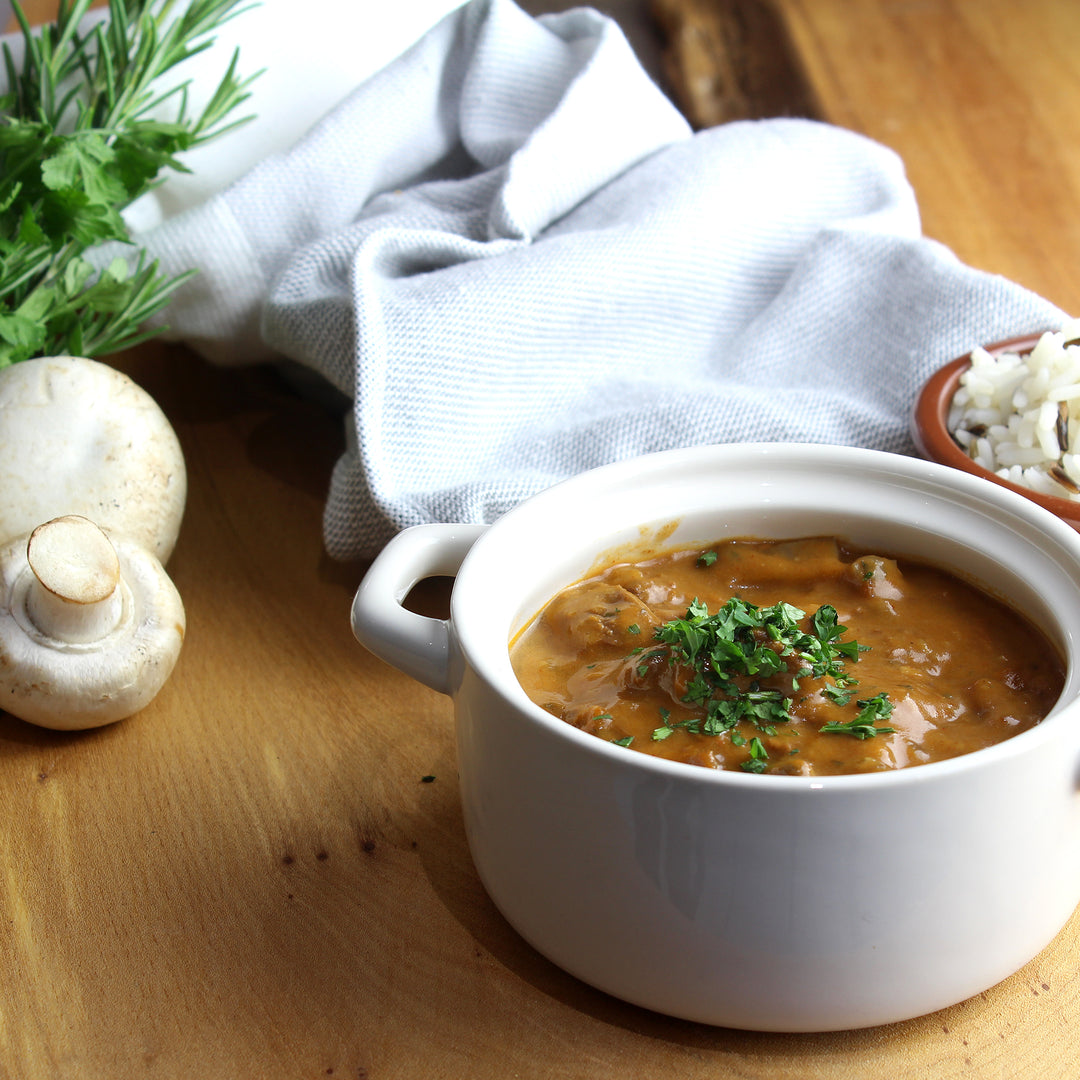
{"x":930,"y":430}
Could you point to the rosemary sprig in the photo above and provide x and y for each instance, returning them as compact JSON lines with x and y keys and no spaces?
{"x":78,"y":144}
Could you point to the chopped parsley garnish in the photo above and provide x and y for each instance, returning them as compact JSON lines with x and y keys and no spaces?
{"x":735,"y":651}
{"x":758,"y":761}
{"x":864,"y":725}
{"x":707,"y":558}
{"x":663,"y":731}
{"x":838,"y":695}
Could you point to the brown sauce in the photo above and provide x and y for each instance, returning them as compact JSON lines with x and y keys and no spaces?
{"x":959,"y":669}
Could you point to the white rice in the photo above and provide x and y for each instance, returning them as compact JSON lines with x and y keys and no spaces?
{"x":1019,"y":416}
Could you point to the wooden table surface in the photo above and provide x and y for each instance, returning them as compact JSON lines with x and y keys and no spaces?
{"x":250,"y":879}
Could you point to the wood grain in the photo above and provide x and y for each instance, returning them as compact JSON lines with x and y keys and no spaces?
{"x":251,"y":879}
{"x":731,"y":60}
{"x":981,"y":98}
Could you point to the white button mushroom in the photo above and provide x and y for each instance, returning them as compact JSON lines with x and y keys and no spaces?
{"x":90,"y":628}
{"x":79,"y":437}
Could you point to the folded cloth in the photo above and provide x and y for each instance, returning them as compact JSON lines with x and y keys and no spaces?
{"x":509,"y":252}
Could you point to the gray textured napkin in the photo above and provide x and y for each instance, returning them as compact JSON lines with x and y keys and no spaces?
{"x":510,"y":253}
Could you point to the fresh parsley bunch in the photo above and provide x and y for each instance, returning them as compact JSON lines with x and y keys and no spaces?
{"x":79,"y":142}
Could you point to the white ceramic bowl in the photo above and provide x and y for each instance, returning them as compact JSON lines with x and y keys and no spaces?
{"x":763,"y":902}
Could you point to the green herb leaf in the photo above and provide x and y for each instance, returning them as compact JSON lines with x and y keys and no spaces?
{"x":663,"y":731}
{"x":838,"y":695}
{"x":758,"y":761}
{"x":863,"y":726}
{"x":77,"y":146}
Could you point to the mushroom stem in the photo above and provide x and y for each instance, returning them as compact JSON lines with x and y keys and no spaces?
{"x":75,"y":596}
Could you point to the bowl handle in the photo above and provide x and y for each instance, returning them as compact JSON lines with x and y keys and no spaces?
{"x":415,"y":644}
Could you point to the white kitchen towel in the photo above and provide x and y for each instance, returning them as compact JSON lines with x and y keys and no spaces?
{"x":513,"y":258}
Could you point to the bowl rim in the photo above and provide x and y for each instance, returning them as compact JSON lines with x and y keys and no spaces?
{"x":934,"y":441}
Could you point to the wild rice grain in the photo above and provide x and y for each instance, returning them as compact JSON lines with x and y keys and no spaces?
{"x":1012,"y":413}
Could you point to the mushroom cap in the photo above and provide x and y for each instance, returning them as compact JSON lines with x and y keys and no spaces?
{"x":73,"y":685}
{"x":79,"y":437}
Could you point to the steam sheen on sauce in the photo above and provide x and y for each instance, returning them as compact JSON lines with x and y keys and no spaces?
{"x":962,"y":670}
